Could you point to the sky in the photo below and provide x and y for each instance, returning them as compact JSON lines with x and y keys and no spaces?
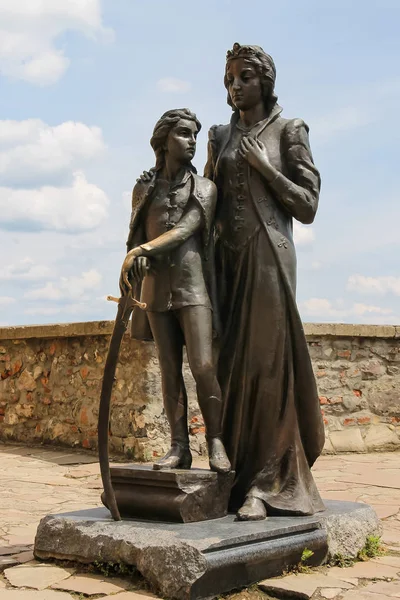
{"x":82,"y":83}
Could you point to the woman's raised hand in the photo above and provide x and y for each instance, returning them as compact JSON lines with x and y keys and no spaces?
{"x":256,"y":155}
{"x":146,"y":176}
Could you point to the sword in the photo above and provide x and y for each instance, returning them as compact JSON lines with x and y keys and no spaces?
{"x":126,"y":304}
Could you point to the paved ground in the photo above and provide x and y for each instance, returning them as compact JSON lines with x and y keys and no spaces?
{"x":34,"y":482}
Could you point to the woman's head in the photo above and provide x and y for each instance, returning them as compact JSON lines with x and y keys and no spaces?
{"x":249,"y":77}
{"x":175,"y":132}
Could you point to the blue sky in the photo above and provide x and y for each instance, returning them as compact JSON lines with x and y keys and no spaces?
{"x":82,"y":85}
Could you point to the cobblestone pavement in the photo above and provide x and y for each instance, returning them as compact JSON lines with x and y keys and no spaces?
{"x":35,"y":482}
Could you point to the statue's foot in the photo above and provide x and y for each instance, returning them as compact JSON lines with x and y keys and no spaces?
{"x":253,"y":509}
{"x":219,"y":461}
{"x":177,"y":458}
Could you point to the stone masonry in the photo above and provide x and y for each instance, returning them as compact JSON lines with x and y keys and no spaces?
{"x":51,"y":377}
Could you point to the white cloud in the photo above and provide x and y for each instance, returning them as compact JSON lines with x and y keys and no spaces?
{"x":303,"y":235}
{"x":362,"y":309}
{"x":32,"y":151}
{"x":342,"y":120}
{"x":48,"y":292}
{"x":322,"y":308}
{"x":43,"y":310}
{"x":74,"y":287}
{"x":80,"y":207}
{"x":29,"y":30}
{"x":25,"y":270}
{"x":172,"y":85}
{"x":5,"y":300}
{"x":374,"y":285}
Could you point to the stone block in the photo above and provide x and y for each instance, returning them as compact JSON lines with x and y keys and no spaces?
{"x":348,"y":525}
{"x":328,"y":448}
{"x":191,"y":561}
{"x":348,"y":440}
{"x":176,"y":495}
{"x":26,"y":381}
{"x":380,"y":437}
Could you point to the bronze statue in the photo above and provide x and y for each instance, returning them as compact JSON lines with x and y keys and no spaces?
{"x":171,"y":264}
{"x":265,"y":175}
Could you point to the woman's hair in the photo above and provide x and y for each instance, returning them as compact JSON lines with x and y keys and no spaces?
{"x":162,"y":129}
{"x":264,"y":67}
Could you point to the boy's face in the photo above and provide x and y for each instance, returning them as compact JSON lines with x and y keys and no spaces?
{"x":181,"y":141}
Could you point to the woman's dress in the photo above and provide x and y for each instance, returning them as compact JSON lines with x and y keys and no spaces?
{"x":264,"y":367}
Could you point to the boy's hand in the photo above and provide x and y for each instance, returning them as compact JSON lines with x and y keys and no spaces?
{"x":136,"y":263}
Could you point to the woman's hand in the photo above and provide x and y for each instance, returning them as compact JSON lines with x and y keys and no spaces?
{"x":134,"y":262}
{"x":146,"y":176}
{"x":256,"y":155}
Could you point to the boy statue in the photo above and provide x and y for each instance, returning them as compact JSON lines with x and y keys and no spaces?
{"x":170,"y":266}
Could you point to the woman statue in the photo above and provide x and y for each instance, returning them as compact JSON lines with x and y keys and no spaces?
{"x":265,"y":175}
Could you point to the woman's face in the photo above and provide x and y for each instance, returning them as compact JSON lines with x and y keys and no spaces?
{"x":244,"y":86}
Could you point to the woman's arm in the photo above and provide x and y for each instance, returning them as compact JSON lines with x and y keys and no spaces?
{"x":209,"y":169}
{"x":299,"y":193}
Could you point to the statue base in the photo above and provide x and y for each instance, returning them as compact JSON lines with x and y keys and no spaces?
{"x":191,"y":561}
{"x":175,"y":495}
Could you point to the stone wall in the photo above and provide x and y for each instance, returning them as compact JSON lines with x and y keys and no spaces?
{"x":51,"y":377}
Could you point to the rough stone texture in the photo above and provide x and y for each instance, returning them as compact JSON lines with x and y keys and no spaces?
{"x":199,"y":560}
{"x":50,"y":379}
{"x":348,"y":531}
{"x":177,"y":495}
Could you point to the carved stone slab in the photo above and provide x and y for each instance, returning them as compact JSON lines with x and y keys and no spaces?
{"x":175,"y":495}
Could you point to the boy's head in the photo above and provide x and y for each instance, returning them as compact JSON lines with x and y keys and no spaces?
{"x":175,"y":133}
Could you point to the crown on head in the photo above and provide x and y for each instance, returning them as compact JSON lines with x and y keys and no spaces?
{"x":239,"y":51}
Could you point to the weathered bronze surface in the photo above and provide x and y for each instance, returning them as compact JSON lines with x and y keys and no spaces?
{"x":262,"y":166}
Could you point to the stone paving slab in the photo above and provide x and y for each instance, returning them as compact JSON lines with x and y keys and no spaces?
{"x":36,"y":575}
{"x":390,"y":589}
{"x":35,"y":482}
{"x":34,"y":595}
{"x":366,"y":570}
{"x":330,"y":593}
{"x":91,"y":584}
{"x":130,"y":596}
{"x":303,"y":585}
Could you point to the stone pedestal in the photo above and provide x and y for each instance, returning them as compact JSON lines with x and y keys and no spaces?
{"x":190,"y":561}
{"x":175,"y":495}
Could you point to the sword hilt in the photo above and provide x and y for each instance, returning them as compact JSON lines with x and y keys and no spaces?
{"x":141,"y":305}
